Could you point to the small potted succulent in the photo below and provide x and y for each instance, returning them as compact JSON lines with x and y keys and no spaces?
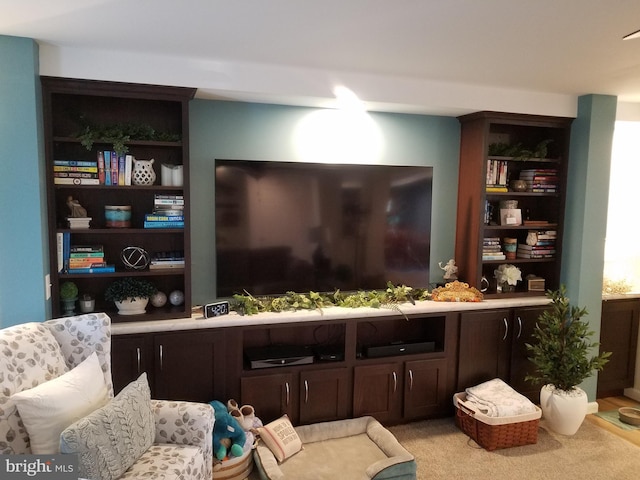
{"x":68,"y":297}
{"x":130,"y":295}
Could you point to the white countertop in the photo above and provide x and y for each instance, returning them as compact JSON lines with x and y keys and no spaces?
{"x":196,"y":322}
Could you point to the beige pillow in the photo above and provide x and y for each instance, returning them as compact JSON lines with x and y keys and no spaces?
{"x":47,"y":409}
{"x":281,"y":438}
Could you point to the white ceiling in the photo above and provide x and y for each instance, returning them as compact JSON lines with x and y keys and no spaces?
{"x":417,"y":56}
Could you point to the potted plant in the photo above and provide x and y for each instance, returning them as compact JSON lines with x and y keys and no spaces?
{"x":507,"y":277}
{"x":130,"y":295}
{"x":68,"y":296}
{"x":563,"y":358}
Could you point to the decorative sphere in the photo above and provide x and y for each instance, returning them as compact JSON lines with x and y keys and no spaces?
{"x":159,"y":299}
{"x":176,"y":298}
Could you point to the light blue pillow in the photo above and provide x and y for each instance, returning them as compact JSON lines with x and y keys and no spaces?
{"x":109,"y":440}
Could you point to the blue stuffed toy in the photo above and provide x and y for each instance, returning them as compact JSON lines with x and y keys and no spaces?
{"x":226,"y":427}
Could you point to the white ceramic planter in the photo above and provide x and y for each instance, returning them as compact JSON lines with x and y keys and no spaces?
{"x":135,"y":306}
{"x":563,"y":411}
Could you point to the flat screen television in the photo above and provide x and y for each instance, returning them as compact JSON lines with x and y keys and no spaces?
{"x":291,"y":226}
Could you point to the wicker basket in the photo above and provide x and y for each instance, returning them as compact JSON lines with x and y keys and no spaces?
{"x":493,"y":433}
{"x":237,"y":468}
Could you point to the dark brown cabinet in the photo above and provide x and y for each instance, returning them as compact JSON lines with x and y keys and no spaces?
{"x":619,"y":335}
{"x":493,"y":345}
{"x":179,"y":366}
{"x":161,"y":117}
{"x":271,"y":395}
{"x":324,"y":395}
{"x":515,"y":146}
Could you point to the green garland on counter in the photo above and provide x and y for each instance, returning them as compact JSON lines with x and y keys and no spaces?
{"x":248,"y":304}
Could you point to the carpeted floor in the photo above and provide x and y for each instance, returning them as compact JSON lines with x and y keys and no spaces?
{"x":444,"y":452}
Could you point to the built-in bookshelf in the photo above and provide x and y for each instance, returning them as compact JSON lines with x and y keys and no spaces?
{"x":511,"y":198}
{"x":101,"y":203}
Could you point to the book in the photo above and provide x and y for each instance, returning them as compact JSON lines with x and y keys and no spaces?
{"x":86,"y":249}
{"x":163,"y":218}
{"x":107,"y":167}
{"x":179,"y":224}
{"x":128,"y":167}
{"x":75,"y":175}
{"x":121,"y":169}
{"x":60,"y":168}
{"x":494,"y":257}
{"x":75,"y":163}
{"x":114,"y":168}
{"x":105,"y":269}
{"x":101,"y":167}
{"x":60,"y":251}
{"x":86,"y":262}
{"x":75,"y":181}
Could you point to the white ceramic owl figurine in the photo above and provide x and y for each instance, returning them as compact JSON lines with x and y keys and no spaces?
{"x":143,"y":173}
{"x":532,"y":238}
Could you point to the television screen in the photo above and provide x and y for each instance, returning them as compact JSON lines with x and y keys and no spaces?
{"x":285,"y":226}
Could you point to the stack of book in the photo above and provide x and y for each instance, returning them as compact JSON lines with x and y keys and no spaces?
{"x":114,"y":169}
{"x":544,"y":180}
{"x":491,"y":249}
{"x":162,"y":260}
{"x":75,"y":172}
{"x":88,"y":259}
{"x":540,"y":244}
{"x":497,"y":176}
{"x":168,"y":212}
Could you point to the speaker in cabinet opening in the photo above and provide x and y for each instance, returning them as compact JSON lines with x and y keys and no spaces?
{"x":398,"y":348}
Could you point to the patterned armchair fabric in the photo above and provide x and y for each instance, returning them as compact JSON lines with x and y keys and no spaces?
{"x":33,"y":353}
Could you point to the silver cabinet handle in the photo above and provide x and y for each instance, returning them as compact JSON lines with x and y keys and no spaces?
{"x":519,"y":327}
{"x":410,"y":380}
{"x":138,"y":356}
{"x":506,"y":328}
{"x":306,"y":392}
{"x":161,"y":357}
{"x":286,"y":386}
{"x":395,"y":382}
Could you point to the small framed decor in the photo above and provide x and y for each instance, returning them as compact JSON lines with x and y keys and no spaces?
{"x":511,"y":217}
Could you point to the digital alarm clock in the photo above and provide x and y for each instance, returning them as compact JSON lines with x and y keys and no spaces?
{"x":216,"y":309}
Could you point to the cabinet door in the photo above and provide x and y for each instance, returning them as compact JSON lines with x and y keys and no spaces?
{"x":190,"y":366}
{"x":484,"y":347}
{"x":323,"y":395}
{"x":377,"y":391}
{"x":270,"y":395}
{"x":524,"y":322}
{"x":425,"y":388}
{"x":130,"y":356}
{"x":619,"y":335}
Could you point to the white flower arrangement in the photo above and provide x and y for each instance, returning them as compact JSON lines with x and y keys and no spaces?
{"x":507,"y":273}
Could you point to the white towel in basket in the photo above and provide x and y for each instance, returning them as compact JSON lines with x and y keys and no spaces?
{"x":495,"y":398}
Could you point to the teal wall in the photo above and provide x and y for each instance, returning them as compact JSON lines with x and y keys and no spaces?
{"x":232,"y":130}
{"x":23,"y":250}
{"x":586,"y":211}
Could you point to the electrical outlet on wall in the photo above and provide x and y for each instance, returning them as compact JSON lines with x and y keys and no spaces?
{"x":47,"y":286}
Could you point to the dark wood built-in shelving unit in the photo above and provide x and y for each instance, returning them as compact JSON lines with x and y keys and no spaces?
{"x":478,"y":132}
{"x":165,"y":109}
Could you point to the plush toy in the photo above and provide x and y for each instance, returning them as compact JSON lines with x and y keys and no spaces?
{"x":226,"y":431}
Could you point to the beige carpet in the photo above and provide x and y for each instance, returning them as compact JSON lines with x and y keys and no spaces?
{"x":444,"y":452}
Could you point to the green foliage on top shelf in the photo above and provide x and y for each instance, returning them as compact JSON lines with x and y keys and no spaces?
{"x":562,"y":353}
{"x":518,"y":152}
{"x":129,"y":287}
{"x":248,"y":304}
{"x":119,"y":134}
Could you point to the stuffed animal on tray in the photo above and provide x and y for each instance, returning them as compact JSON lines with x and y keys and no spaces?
{"x":228,"y":436}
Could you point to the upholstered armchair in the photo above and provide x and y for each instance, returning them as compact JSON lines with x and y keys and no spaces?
{"x":128,"y":436}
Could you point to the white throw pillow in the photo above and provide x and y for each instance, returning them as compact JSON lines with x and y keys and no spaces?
{"x":47,"y":409}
